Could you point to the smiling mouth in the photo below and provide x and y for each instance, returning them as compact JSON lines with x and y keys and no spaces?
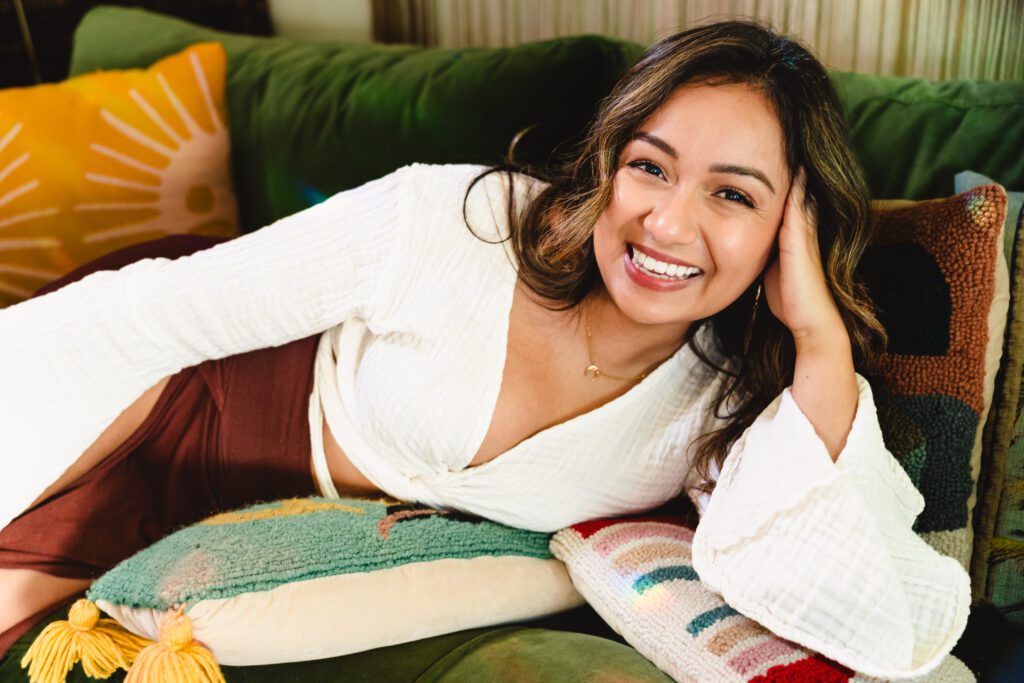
{"x":659,"y":276}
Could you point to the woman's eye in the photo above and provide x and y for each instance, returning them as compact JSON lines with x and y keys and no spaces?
{"x":738,"y":197}
{"x":730,"y":194}
{"x":643,"y":163}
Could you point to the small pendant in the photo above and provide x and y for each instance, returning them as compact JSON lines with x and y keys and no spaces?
{"x":593,"y":371}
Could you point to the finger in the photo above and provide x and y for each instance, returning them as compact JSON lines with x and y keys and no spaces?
{"x":792,"y":195}
{"x":790,"y":206}
{"x":804,"y":208}
{"x":796,"y":194}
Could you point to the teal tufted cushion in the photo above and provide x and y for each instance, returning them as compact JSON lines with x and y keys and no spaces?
{"x":307,"y":578}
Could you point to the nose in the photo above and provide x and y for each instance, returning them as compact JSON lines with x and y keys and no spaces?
{"x":673,"y":218}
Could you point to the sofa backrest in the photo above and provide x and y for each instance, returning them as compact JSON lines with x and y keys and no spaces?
{"x":313,"y":118}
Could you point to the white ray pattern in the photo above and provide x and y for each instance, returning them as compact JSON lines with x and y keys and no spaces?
{"x":194,"y":161}
{"x":42,"y":275}
{"x":10,"y":168}
{"x":24,"y":188}
{"x":28,"y":243}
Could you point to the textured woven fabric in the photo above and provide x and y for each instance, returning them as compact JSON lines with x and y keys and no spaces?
{"x":639,"y":576}
{"x":823,"y":552}
{"x":263,"y":546}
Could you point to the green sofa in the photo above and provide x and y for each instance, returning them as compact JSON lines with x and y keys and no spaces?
{"x":311,"y":119}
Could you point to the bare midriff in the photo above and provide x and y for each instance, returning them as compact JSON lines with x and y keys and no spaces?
{"x":347,"y":479}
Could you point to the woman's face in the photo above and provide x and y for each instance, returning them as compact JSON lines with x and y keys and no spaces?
{"x":703,"y":182}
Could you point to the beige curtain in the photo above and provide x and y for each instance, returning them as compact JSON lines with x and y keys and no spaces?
{"x":937,"y":39}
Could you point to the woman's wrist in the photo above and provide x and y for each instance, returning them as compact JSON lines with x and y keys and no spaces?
{"x":825,"y":387}
{"x":828,"y":337}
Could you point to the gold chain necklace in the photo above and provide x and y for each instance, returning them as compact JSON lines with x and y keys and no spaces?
{"x":592,"y":369}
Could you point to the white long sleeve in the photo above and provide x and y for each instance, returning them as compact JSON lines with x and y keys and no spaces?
{"x":822,"y":553}
{"x":72,"y":360}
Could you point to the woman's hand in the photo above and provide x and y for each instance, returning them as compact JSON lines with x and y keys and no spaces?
{"x":824,"y":382}
{"x":794,"y":283}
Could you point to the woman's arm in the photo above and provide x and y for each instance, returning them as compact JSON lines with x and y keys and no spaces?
{"x":74,"y":359}
{"x":825,"y":386}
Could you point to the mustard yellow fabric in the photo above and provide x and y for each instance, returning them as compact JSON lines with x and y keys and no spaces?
{"x":108,"y":159}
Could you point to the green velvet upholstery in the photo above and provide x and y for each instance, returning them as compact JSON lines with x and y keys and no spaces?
{"x":330,"y":116}
{"x":911,"y":136}
{"x":516,"y":653}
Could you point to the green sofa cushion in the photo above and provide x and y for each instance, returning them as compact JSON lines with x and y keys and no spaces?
{"x":912,"y":136}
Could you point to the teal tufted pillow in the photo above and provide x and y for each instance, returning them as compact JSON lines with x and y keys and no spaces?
{"x":310,"y":578}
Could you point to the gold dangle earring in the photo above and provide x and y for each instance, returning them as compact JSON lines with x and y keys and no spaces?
{"x":753,"y":316}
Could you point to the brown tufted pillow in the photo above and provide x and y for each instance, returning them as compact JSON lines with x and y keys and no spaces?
{"x":939,"y":280}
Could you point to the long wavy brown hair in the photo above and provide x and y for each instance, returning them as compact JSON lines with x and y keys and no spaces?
{"x":552,"y":235}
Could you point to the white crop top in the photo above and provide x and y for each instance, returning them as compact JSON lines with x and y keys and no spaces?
{"x":409,"y":392}
{"x":413,"y":311}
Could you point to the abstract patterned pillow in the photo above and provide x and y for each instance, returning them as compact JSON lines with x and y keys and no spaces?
{"x":637,"y":574}
{"x":105,"y":160}
{"x":310,"y":578}
{"x":939,"y":281}
{"x":997,"y":567}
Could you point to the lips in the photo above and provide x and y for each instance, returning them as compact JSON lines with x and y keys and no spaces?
{"x":660,"y":256}
{"x":653,"y":283}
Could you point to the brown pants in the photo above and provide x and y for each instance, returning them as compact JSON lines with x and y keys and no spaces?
{"x":223,"y":434}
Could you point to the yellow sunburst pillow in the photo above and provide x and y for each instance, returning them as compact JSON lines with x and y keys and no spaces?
{"x":108,"y":159}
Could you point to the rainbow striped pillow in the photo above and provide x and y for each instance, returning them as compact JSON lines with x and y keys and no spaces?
{"x":636,"y":573}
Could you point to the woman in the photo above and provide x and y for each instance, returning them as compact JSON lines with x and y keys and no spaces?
{"x":716,"y":180}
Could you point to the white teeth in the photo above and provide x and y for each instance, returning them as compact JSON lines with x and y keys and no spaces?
{"x":660,"y":268}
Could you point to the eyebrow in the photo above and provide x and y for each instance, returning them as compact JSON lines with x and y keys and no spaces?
{"x":716,"y":168}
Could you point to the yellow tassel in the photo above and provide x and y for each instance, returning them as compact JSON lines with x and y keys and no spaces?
{"x":102,"y":645}
{"x":177,"y":658}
